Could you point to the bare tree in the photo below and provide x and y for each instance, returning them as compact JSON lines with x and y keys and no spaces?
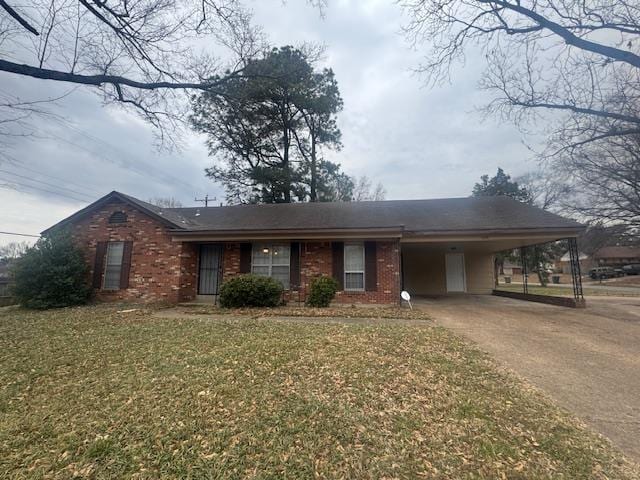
{"x":547,"y":190}
{"x":568,"y":65}
{"x":13,"y":250}
{"x":138,"y":54}
{"x":363,"y":190}
{"x":165,"y":202}
{"x":606,"y":179}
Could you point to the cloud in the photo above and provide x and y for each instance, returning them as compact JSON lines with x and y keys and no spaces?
{"x":418,"y":142}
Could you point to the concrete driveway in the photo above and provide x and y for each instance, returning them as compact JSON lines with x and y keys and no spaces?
{"x":587,"y":360}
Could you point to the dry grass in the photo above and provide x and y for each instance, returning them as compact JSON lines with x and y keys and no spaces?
{"x":378,"y":312}
{"x":90,"y":393}
{"x":568,"y":292}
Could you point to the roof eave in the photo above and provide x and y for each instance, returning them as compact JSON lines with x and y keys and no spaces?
{"x":104,"y":200}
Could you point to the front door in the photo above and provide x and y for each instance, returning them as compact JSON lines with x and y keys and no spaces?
{"x":455,"y":272}
{"x":209,"y":272}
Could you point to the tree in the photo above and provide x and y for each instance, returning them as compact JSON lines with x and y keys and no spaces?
{"x":606,"y":181}
{"x":568,"y":65}
{"x":51,"y":274}
{"x":538,"y":256}
{"x":137,"y":54}
{"x":13,"y":250}
{"x":500,"y":185}
{"x":165,"y":202}
{"x":364,"y":191}
{"x":265,"y":130}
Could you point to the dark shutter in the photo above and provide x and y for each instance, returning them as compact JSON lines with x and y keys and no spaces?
{"x":245,"y":258}
{"x":98,"y":266}
{"x":294,"y":265}
{"x":370,"y":267}
{"x":337,"y":251}
{"x":126,"y":265}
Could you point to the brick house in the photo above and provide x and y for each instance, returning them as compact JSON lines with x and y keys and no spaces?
{"x":142,"y":252}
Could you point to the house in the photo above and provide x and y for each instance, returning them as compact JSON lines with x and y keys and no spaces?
{"x":374,"y":249}
{"x":615,"y":256}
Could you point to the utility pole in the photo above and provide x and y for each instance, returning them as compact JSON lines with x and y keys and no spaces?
{"x":205,"y":200}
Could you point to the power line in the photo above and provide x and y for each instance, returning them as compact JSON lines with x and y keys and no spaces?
{"x":9,"y":187}
{"x":19,"y":234}
{"x":44,"y":183}
{"x":16,"y":163}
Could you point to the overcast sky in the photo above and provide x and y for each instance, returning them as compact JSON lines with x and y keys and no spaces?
{"x":419,"y":142}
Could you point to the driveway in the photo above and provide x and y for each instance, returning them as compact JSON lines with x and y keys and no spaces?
{"x":588,"y":360}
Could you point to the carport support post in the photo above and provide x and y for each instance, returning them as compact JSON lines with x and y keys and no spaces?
{"x":525,"y":274}
{"x":576,"y":274}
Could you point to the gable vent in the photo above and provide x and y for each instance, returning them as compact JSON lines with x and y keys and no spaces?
{"x":118,"y":217}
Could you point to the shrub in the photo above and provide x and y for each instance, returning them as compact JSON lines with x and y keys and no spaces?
{"x":250,"y":291}
{"x":322,"y":291}
{"x":53,"y":273}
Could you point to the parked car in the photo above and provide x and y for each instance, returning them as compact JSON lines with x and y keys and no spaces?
{"x":599,"y":273}
{"x":633,"y":269}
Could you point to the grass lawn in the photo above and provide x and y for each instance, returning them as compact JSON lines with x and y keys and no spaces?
{"x":568,"y":292}
{"x":91,"y":393}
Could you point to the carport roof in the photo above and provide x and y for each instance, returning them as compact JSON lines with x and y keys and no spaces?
{"x":446,"y":215}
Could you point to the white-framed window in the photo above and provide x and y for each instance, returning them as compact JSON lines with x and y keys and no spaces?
{"x":354,"y":266}
{"x":113,"y":266}
{"x":271,"y":260}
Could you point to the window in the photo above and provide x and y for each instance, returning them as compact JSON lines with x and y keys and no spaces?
{"x":118,"y":217}
{"x":354,"y":266}
{"x":113,"y":266}
{"x":271,"y":261}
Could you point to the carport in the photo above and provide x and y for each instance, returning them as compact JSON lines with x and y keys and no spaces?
{"x":454,"y":263}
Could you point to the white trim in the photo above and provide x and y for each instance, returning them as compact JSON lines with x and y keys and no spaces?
{"x":344,"y":273}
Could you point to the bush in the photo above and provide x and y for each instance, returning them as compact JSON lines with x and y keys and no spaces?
{"x":53,"y":273}
{"x":250,"y":291}
{"x":322,"y":291}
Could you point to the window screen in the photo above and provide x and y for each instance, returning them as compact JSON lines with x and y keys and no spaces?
{"x":113,"y":266}
{"x":354,"y":266}
{"x":272,"y":261}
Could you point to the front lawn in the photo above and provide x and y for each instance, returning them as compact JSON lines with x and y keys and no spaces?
{"x":93,"y":393}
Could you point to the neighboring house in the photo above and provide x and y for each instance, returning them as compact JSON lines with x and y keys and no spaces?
{"x":605,"y":256}
{"x":374,"y":249}
{"x":510,"y":269}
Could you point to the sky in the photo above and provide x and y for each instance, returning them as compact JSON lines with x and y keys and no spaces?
{"x":418,"y":142}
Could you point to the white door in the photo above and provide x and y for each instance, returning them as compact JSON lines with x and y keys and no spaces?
{"x":455,"y":272}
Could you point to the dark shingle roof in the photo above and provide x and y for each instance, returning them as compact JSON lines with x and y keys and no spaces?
{"x":469,"y":214}
{"x":438,"y":215}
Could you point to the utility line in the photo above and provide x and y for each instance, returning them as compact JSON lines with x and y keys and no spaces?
{"x":9,"y":187}
{"x":16,"y":163}
{"x":44,"y":183}
{"x":19,"y":234}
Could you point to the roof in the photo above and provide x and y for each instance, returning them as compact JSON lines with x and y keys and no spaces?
{"x":459,"y":215}
{"x":618,"y":252}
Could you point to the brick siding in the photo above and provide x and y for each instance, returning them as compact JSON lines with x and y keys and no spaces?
{"x":163,"y":270}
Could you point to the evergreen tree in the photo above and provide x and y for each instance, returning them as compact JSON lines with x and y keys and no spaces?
{"x":53,"y":273}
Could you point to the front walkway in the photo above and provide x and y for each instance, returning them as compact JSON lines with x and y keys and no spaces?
{"x":588,"y":360}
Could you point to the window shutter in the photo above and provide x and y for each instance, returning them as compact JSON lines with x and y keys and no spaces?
{"x":245,"y":258}
{"x":98,"y":266}
{"x":126,"y":265}
{"x":337,"y":250}
{"x":294,"y":265}
{"x":370,"y":267}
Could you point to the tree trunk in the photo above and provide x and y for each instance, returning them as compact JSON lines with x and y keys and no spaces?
{"x":314,"y":177}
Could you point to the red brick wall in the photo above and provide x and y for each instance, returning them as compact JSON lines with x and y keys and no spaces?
{"x":161,"y":270}
{"x":316,"y":260}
